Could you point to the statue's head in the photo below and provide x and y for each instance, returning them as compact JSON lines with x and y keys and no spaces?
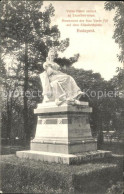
{"x":52,"y":54}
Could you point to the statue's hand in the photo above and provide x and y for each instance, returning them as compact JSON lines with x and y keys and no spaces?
{"x":49,"y":70}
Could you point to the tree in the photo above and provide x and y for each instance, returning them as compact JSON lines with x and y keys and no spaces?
{"x":27,"y":34}
{"x":118,"y":23}
{"x":64,"y":62}
{"x":97,"y":89}
{"x":118,"y":83}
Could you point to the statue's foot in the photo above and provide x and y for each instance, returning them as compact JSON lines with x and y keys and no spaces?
{"x":59,"y":102}
{"x":45,"y":99}
{"x":70,"y":101}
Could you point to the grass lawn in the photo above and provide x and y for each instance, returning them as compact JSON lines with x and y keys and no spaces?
{"x":28,"y":176}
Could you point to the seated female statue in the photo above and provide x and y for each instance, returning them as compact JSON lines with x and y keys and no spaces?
{"x":57,"y":86}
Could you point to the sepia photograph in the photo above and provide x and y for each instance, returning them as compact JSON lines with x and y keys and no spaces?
{"x":62,"y":97}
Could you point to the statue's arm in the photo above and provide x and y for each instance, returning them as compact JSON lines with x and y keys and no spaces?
{"x":55,"y":66}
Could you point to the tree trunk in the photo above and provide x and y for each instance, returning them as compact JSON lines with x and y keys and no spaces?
{"x":25,"y":115}
{"x":9,"y":117}
{"x":100,"y":130}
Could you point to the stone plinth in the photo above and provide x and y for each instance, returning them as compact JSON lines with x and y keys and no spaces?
{"x":63,"y":158}
{"x":63,"y":135}
{"x":63,"y":129}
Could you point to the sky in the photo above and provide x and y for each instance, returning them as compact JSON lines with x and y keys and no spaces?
{"x":98,"y":50}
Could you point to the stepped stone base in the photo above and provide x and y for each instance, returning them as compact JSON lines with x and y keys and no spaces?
{"x":63,"y":135}
{"x":63,"y":158}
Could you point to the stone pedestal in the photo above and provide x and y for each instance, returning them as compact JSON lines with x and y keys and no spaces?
{"x":63,"y":129}
{"x":63,"y":132}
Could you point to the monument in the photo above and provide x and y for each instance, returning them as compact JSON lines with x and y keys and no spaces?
{"x":63,"y":133}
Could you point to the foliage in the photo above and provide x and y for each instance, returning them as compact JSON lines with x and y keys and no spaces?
{"x":64,"y":62}
{"x":118,"y":6}
{"x":26,"y":36}
{"x":118,"y":81}
{"x":104,"y":106}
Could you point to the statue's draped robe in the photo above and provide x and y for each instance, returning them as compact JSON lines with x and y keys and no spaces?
{"x":58,"y":86}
